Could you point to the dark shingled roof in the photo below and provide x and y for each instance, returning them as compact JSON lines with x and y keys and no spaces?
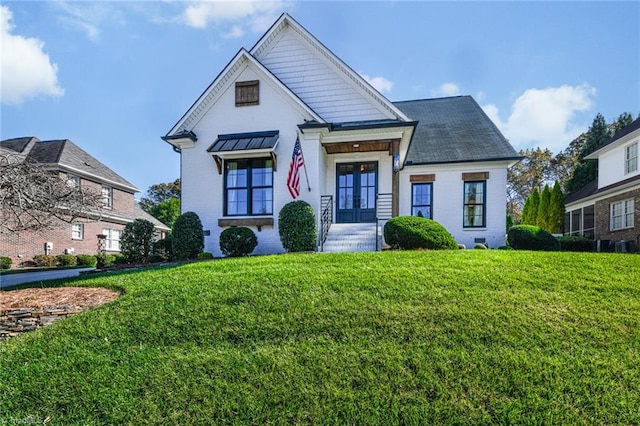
{"x":453,"y":130}
{"x":245,"y":141}
{"x":586,"y":191}
{"x":635,"y":125}
{"x":17,"y":145}
{"x":65,"y":153}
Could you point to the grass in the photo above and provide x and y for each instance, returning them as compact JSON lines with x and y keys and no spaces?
{"x":460,"y":337}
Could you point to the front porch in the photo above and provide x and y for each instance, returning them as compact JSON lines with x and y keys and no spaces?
{"x":353,"y":237}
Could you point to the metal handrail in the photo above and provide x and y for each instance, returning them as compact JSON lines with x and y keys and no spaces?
{"x":384,"y":212}
{"x":326,"y":217}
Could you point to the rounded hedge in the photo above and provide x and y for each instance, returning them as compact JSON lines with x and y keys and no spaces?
{"x":237,"y":241}
{"x":530,"y":237}
{"x":297,"y":227}
{"x":413,"y":232}
{"x":5,"y":262}
{"x":86,"y":260}
{"x":66,"y":260}
{"x":576,"y":243}
{"x":188,"y":236}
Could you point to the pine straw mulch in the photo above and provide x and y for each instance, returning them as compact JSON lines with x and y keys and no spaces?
{"x":82,"y":297}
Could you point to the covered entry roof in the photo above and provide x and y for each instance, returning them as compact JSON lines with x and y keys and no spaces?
{"x":245,"y":141}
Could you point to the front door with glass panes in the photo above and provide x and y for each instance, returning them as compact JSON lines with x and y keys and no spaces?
{"x":356,"y":192}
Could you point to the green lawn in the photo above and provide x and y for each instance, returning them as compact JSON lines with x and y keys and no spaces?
{"x":460,"y":337}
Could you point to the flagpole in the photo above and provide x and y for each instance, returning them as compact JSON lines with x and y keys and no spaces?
{"x":304,"y":163}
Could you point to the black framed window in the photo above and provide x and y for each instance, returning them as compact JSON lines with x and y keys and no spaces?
{"x":248,"y":187}
{"x":422,"y":199}
{"x":475,"y":203}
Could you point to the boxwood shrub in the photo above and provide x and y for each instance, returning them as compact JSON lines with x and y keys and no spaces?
{"x":188,"y":236}
{"x":44,"y":260}
{"x":297,"y":227}
{"x":86,"y":260}
{"x":103,"y":260}
{"x":576,"y":243}
{"x":530,"y":237}
{"x":413,"y":232}
{"x":237,"y":241}
{"x":66,"y":260}
{"x":5,"y":262}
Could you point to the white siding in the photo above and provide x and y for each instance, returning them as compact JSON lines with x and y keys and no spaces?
{"x":202,"y":185}
{"x":448,"y":200}
{"x":312,"y":78}
{"x":611,"y":164}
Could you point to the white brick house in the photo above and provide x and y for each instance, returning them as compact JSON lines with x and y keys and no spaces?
{"x":362,"y":152}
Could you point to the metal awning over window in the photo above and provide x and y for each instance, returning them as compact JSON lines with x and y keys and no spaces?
{"x":244,"y":145}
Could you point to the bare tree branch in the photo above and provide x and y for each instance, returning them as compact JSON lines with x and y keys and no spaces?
{"x":34,"y":199}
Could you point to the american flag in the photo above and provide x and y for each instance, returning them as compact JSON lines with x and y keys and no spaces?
{"x":297,"y":161}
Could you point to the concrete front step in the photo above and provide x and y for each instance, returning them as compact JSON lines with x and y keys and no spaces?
{"x":351,"y":237}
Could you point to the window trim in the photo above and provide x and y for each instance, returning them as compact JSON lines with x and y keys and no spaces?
{"x":81,"y":227}
{"x":626,"y":215}
{"x":430,"y":205}
{"x":249,"y":187}
{"x":109,"y":233}
{"x":630,"y":163}
{"x":483,"y":204}
{"x":73,"y":181}
{"x":243,"y":89}
{"x":107,"y":200}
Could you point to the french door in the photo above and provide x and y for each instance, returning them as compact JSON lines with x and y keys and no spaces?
{"x":356,"y":188}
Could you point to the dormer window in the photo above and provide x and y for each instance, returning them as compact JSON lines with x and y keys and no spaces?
{"x":247,"y":93}
{"x":631,"y":158}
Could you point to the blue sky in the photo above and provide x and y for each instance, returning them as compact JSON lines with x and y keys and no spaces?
{"x":115,"y":76}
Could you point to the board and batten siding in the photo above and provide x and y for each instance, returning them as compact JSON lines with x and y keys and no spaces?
{"x":448,"y":188}
{"x":316,"y":82}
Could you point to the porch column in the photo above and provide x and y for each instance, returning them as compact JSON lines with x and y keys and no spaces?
{"x":395,"y":180}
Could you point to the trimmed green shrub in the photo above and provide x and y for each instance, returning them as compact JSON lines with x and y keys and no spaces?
{"x":5,"y":262}
{"x":103,"y":260}
{"x":505,"y":248}
{"x":86,"y":260}
{"x":530,"y":237}
{"x":297,"y":227}
{"x":137,"y":240}
{"x":462,"y":247}
{"x":480,"y":247}
{"x":66,"y":260}
{"x":188,"y":236}
{"x":156,"y":258}
{"x":412,"y":232}
{"x":205,"y":255}
{"x":576,"y":243}
{"x":237,"y":241}
{"x":164,"y":247}
{"x":44,"y":260}
{"x":119,"y":259}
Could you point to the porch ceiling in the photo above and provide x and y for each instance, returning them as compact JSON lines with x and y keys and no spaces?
{"x":357,"y":146}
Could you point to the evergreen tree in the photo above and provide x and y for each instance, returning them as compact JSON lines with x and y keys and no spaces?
{"x":556,"y":210}
{"x":543,"y":209}
{"x":526,"y":212}
{"x":535,"y":204}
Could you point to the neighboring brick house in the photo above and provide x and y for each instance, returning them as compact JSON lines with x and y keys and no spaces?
{"x":79,"y":168}
{"x":608,"y":208}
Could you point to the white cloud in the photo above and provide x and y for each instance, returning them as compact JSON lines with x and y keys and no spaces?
{"x":89,"y":17}
{"x":545,"y":117}
{"x":380,"y":83}
{"x":235,"y":32}
{"x":26,"y":70}
{"x":252,"y":14}
{"x":446,"y":89}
